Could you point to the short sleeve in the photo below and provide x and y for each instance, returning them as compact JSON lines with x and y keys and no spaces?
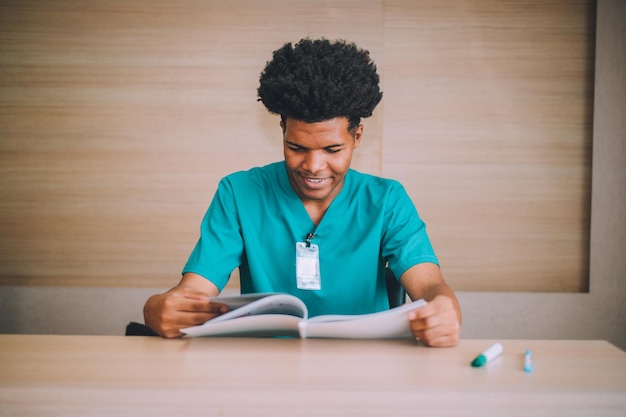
{"x":405,"y":242}
{"x":219,"y":249}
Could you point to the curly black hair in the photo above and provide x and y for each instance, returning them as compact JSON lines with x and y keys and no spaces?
{"x":318,"y":80}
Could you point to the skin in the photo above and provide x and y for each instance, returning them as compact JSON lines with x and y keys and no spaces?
{"x":438,"y":323}
{"x":318,"y":157}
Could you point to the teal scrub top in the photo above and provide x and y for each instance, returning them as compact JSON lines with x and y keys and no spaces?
{"x":256,"y":219}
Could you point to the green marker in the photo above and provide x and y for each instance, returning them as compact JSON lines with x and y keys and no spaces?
{"x":493,"y":351}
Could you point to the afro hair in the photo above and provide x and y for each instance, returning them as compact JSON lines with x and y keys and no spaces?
{"x":318,"y":80}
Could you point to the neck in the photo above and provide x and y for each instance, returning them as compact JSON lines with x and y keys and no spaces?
{"x":316,"y":211}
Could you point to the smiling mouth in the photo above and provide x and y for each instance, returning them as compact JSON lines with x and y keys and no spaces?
{"x":315,"y":180}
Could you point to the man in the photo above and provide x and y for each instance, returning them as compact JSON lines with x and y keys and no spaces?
{"x":310,"y":225}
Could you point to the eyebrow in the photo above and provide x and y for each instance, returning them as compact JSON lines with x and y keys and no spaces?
{"x":295,"y":145}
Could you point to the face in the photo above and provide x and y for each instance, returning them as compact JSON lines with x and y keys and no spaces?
{"x":318,"y":156}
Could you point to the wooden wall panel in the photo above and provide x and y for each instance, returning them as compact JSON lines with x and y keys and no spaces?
{"x":488,"y":123}
{"x":118,"y":118}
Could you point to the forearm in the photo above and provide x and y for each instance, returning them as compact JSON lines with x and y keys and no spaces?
{"x":198,"y":283}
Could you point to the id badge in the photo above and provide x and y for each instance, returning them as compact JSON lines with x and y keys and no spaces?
{"x":308,"y":266}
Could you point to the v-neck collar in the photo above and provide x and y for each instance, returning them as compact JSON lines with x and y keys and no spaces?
{"x":296,"y":205}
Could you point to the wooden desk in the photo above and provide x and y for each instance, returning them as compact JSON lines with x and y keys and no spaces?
{"x":116,"y":376}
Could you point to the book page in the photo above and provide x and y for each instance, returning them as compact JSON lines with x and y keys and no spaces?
{"x":254,"y":315}
{"x":265,"y":325}
{"x":264,"y":315}
{"x":387,"y":324}
{"x":255,"y":304}
{"x":236,"y":301}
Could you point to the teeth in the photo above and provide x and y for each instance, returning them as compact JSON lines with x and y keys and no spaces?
{"x":315,"y":180}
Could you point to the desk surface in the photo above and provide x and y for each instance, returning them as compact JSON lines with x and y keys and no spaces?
{"x":117,"y":375}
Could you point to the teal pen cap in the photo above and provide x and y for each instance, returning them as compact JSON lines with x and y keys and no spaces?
{"x":492,"y":352}
{"x":528,"y":361}
{"x":479,"y":360}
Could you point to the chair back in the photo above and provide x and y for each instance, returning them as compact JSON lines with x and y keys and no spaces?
{"x":395,"y":291}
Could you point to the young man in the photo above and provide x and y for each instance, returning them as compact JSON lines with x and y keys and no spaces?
{"x":310,"y":225}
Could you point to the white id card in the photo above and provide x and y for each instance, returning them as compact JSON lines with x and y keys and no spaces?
{"x":308,"y":266}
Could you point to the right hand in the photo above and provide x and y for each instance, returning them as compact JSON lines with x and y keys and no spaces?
{"x":182,"y":306}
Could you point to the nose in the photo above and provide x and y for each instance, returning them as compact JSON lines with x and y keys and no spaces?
{"x":315,"y":161}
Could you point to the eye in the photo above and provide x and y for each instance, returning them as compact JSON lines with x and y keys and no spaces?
{"x":333,"y":150}
{"x":294,"y":148}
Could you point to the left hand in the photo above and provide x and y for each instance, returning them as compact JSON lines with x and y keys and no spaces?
{"x":437,"y":323}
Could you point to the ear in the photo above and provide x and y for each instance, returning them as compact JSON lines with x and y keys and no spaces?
{"x":358,"y":133}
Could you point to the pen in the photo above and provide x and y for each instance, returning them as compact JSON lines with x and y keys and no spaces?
{"x":528,"y":361}
{"x":491,"y":352}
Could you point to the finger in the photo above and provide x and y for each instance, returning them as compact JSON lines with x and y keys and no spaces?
{"x":194,"y":294}
{"x":182,"y":320}
{"x":436,"y":331}
{"x":423,"y":330}
{"x":217,"y":308}
{"x":421,"y":321}
{"x":424,"y":312}
{"x":441,"y":341}
{"x":193,"y":319}
{"x":432,"y":336}
{"x":442,"y":336}
{"x":202,"y":306}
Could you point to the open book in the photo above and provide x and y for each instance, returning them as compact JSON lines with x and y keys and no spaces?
{"x":276,"y":314}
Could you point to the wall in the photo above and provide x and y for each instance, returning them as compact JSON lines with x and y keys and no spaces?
{"x":595,"y":314}
{"x":117,"y":120}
